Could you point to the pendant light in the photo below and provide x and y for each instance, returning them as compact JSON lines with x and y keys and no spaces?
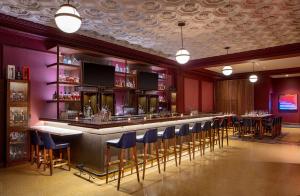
{"x":227,"y":70}
{"x":67,"y":18}
{"x":253,"y":77}
{"x":182,"y":55}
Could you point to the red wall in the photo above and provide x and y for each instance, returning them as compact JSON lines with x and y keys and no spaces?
{"x":39,"y":75}
{"x":207,"y":96}
{"x":286,"y":86}
{"x":191,"y":94}
{"x":262,"y":93}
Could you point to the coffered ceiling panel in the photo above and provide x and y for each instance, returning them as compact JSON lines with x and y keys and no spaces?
{"x":151,"y":26}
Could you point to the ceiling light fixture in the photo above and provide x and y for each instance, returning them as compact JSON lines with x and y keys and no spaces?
{"x":253,"y":77}
{"x":227,"y":70}
{"x":67,"y":18}
{"x":182,"y":55}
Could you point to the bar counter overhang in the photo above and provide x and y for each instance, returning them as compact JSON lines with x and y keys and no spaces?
{"x":88,"y":138}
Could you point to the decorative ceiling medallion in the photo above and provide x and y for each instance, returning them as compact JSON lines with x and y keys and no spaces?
{"x":93,"y":13}
{"x":189,"y":8}
{"x":16,"y":11}
{"x":110,"y":5}
{"x":168,"y":15}
{"x":170,"y":2}
{"x":203,"y":16}
{"x":150,"y":20}
{"x":74,"y":3}
{"x":43,"y":19}
{"x":132,"y":15}
{"x":29,"y":4}
{"x":115,"y":20}
{"x":226,"y":10}
{"x":151,"y":6}
{"x":212,"y":3}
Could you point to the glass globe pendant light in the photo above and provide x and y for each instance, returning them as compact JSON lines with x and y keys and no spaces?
{"x":67,"y":18}
{"x":182,"y":55}
{"x":227,"y":70}
{"x":253,"y":77}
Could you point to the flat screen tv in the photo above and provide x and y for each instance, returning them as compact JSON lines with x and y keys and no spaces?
{"x":288,"y":102}
{"x":98,"y":75}
{"x":147,"y":81}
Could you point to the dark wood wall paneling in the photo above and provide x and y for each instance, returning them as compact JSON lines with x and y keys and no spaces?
{"x":2,"y":110}
{"x":236,"y":96}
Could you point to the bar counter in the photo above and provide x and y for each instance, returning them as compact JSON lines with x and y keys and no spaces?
{"x":88,"y":148}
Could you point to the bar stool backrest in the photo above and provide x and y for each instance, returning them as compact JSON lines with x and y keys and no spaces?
{"x":184,"y":130}
{"x":169,"y":133}
{"x":35,"y":138}
{"x":223,"y":122}
{"x":215,"y":124}
{"x":196,"y":127}
{"x":48,"y":141}
{"x":206,"y":126}
{"x":150,"y":136}
{"x":235,"y":119}
{"x":127,"y":140}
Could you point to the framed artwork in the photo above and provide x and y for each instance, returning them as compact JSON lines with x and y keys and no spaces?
{"x":11,"y":72}
{"x":25,"y":72}
{"x":288,"y":102}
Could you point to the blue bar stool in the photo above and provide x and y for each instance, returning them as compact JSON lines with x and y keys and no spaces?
{"x":127,"y":141}
{"x":149,"y":138}
{"x":49,"y":147}
{"x":36,"y":144}
{"x":196,"y":131}
{"x":168,"y":136}
{"x":183,"y":133}
{"x":206,"y":135}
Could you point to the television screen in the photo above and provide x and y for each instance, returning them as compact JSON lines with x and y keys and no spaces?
{"x":98,"y":75}
{"x":147,"y":81}
{"x":288,"y":102}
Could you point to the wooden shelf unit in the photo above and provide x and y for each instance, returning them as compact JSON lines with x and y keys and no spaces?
{"x":17,"y":121}
{"x":60,"y":66}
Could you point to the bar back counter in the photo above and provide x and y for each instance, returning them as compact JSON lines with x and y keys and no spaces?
{"x":88,"y":138}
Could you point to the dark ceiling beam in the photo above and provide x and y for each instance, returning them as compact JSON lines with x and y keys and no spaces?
{"x":75,"y":40}
{"x":284,"y":51}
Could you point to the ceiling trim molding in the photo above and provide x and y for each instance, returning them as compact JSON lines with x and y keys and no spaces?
{"x":55,"y":36}
{"x":284,"y":51}
{"x":264,"y":73}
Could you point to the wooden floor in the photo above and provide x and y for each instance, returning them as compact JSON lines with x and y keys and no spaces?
{"x":244,"y":168}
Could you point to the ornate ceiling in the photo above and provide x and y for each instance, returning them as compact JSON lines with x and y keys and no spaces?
{"x":151,"y":26}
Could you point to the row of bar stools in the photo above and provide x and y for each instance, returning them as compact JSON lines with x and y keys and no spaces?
{"x":150,"y":137}
{"x":168,"y":140}
{"x":127,"y":141}
{"x":49,"y":147}
{"x":183,"y":136}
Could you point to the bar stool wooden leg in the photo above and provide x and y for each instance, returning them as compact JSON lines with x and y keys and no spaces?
{"x":189,"y":146}
{"x":69,"y":157}
{"x":51,"y":161}
{"x":145,"y":159}
{"x":157,"y":156}
{"x":193,"y":143}
{"x":32,"y":154}
{"x":107,"y":161}
{"x":200,"y":142}
{"x":219,"y":137}
{"x":175,"y":151}
{"x":165,"y":154}
{"x":180,"y":150}
{"x":136,"y":163}
{"x":227,"y":136}
{"x":222,"y":131}
{"x":120,"y":167}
